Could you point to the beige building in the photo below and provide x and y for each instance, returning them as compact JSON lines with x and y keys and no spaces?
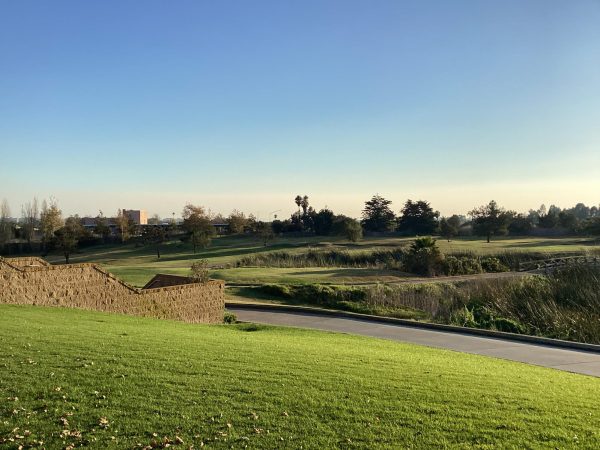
{"x":137,"y":216}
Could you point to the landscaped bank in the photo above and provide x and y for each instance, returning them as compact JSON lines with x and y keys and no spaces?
{"x":562,"y":305}
{"x":71,"y":377}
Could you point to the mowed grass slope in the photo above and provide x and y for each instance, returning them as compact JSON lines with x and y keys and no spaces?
{"x":113,"y":381}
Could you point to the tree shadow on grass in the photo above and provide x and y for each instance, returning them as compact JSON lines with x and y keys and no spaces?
{"x":349,"y":272}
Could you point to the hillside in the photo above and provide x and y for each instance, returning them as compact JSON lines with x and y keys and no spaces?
{"x":112,"y":381}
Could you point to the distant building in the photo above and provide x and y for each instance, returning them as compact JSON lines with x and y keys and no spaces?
{"x":137,"y":216}
{"x":221,"y":228}
{"x":88,"y":222}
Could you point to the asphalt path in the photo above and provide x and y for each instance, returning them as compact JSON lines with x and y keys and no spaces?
{"x":577,"y":361}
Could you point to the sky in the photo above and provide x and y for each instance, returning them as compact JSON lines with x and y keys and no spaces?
{"x":237,"y":104}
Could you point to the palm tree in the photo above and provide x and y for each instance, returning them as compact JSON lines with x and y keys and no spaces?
{"x":304,"y":203}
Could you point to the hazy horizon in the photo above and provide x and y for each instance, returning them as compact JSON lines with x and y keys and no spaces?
{"x":264,"y":208}
{"x":145,"y":105}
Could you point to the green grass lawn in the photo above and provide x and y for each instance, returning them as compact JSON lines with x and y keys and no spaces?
{"x":113,"y":381}
{"x":139,"y":275}
{"x":137,"y":265}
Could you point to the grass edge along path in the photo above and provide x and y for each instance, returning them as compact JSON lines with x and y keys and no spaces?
{"x":72,"y":377}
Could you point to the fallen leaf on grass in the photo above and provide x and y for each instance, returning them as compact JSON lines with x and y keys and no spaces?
{"x":103,"y":422}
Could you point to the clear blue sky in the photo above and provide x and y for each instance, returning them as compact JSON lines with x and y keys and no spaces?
{"x":244,"y":104}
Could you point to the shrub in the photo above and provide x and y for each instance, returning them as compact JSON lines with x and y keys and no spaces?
{"x":229,"y":317}
{"x":492,"y":264}
{"x":464,"y":317}
{"x":277,"y":290}
{"x":508,"y":326}
{"x":424,"y":257}
{"x":199,"y":271}
{"x":464,"y":265}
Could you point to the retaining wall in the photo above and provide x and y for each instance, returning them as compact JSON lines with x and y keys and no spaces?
{"x":32,"y":281}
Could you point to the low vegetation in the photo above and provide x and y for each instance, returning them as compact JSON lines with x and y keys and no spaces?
{"x":388,"y":258}
{"x":564,"y":305}
{"x":345,"y":298}
{"x":72,"y":378}
{"x":423,"y":260}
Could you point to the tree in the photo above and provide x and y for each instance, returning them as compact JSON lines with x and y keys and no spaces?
{"x":304,"y":204}
{"x":580,"y":211}
{"x":491,"y":220}
{"x":449,"y":227}
{"x":6,"y":228}
{"x":264,"y":232}
{"x":123,"y":225}
{"x":279,"y":226}
{"x":377,"y":215}
{"x":154,"y":220}
{"x":323,"y":222}
{"x":424,"y":257}
{"x":237,"y":222}
{"x":549,"y":219}
{"x":50,"y":221}
{"x":418,"y":218}
{"x":68,"y":236}
{"x":197,"y":223}
{"x":303,"y":219}
{"x":102,"y":228}
{"x":592,"y":226}
{"x":29,"y":213}
{"x":351,"y":229}
{"x":298,"y":201}
{"x":568,"y":220}
{"x":154,"y":235}
{"x":520,"y":225}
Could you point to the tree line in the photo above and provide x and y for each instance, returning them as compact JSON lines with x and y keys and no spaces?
{"x":415,"y":218}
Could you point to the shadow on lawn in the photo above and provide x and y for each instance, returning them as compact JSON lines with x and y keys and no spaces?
{"x":350,"y":272}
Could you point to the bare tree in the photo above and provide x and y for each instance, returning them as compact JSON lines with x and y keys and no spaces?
{"x":6,"y":228}
{"x":123,"y":225}
{"x":102,"y":227}
{"x":30,"y":213}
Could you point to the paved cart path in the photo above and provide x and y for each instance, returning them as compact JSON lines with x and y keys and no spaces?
{"x":577,"y":361}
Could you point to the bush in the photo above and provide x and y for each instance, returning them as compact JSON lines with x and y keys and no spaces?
{"x":492,"y":264}
{"x":277,"y":290}
{"x":424,"y":257}
{"x":468,"y":264}
{"x":199,"y":271}
{"x":229,"y":317}
{"x":464,"y":265}
{"x":509,"y":326}
{"x":322,"y":295}
{"x":464,"y":317}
